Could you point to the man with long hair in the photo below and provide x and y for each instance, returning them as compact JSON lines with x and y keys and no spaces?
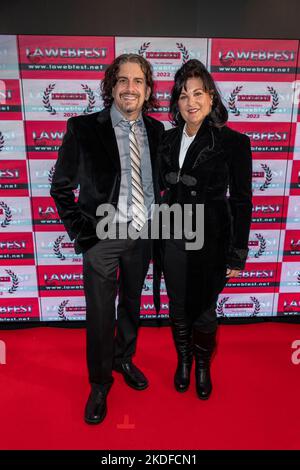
{"x":111,"y":155}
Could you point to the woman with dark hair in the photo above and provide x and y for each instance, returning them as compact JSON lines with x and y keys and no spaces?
{"x":200,"y":160}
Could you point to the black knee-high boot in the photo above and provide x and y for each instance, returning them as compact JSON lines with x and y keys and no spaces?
{"x":203,"y":347}
{"x":182,"y":335}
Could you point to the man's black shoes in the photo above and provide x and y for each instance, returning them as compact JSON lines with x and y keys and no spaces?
{"x":132,"y":375}
{"x":95,"y":408}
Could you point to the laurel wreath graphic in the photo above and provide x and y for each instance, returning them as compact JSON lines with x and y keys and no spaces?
{"x":220,"y":305}
{"x":51,"y":173}
{"x":298,"y":278}
{"x":91,"y":99}
{"x":15,"y":281}
{"x":56,"y":248}
{"x":262,"y":245}
{"x":232,"y":106}
{"x":256,"y":306}
{"x":61,"y":310}
{"x":46,"y":99}
{"x":143,"y":48}
{"x":275,"y":101}
{"x":180,"y":46}
{"x":184,"y":51}
{"x":1,"y":141}
{"x":7,"y":213}
{"x":268,"y":179}
{"x":231,"y":102}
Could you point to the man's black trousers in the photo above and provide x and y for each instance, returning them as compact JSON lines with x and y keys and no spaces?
{"x":111,"y":267}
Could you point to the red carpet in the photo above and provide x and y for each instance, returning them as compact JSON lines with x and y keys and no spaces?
{"x":254,"y":405}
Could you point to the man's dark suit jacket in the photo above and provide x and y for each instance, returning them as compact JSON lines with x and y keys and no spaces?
{"x":89,"y":157}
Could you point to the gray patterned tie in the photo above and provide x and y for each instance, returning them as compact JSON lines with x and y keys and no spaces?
{"x":138,"y":206}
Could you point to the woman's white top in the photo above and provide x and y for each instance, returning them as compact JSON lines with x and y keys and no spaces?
{"x":186,"y":141}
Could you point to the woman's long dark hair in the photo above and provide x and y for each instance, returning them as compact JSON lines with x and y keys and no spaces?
{"x":195,"y":69}
{"x":111,"y":76}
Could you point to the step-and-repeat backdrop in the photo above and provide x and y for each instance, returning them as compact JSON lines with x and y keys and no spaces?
{"x":44,"y":80}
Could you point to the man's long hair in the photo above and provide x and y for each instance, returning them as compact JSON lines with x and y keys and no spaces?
{"x":111,"y":77}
